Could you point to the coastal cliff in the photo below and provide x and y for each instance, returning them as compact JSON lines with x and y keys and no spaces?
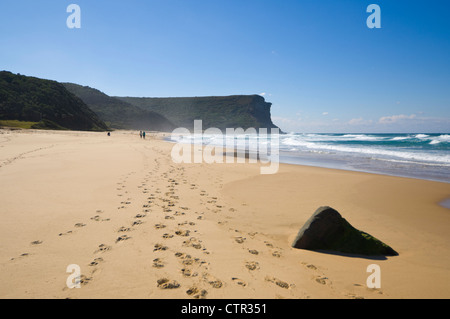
{"x":222,"y":112}
{"x":38,"y":103}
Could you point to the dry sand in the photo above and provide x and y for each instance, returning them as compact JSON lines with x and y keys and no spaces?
{"x":140,"y":226}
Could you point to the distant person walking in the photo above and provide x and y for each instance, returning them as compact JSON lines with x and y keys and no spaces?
{"x":140,"y":134}
{"x":143,"y":135}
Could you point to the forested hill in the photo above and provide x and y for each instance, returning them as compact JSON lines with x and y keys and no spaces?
{"x":51,"y":105}
{"x":46,"y":103}
{"x":119,"y":114}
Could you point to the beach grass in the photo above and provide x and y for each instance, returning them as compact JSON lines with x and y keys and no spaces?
{"x":17,"y":124}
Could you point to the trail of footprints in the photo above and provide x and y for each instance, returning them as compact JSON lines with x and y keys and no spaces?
{"x":164,"y":204}
{"x":196,"y":268}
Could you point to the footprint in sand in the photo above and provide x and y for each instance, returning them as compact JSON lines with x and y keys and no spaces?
{"x":165,"y":283}
{"x":103,"y":248}
{"x":124,"y":229}
{"x":98,"y":219}
{"x":310,"y":266}
{"x":36,"y":242}
{"x":186,"y":223}
{"x":196,"y":293}
{"x":278,"y":282}
{"x":276,"y":254}
{"x":188,"y":272}
{"x":187,"y":260}
{"x":322,"y":280}
{"x":252,"y":265}
{"x":160,"y":247}
{"x":213,"y":281}
{"x":183,"y":233}
{"x":96,"y":261}
{"x":268,"y":244}
{"x":137,"y":222}
{"x":182,"y":255}
{"x":84,"y":280}
{"x":21,"y":256}
{"x":158,"y":263}
{"x":122,"y":238}
{"x":66,"y":233}
{"x":193,"y":242}
{"x":239,"y":282}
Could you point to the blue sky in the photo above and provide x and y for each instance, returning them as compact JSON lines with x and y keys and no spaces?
{"x":317,"y":61}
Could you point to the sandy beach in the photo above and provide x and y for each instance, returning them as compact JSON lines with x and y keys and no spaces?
{"x":141,"y":226}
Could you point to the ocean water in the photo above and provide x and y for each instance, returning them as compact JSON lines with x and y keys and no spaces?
{"x":424,"y":156}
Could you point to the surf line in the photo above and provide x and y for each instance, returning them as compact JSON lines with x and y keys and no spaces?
{"x":264,"y":148}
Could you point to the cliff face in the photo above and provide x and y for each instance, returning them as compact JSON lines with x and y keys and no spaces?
{"x":260,"y":110}
{"x":70,"y":106}
{"x":222,"y":112}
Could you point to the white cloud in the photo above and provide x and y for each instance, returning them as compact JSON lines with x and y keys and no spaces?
{"x":262,"y":94}
{"x":395,"y":118}
{"x":325,"y":113}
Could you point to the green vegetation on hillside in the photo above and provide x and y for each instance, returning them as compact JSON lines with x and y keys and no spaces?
{"x":48,"y":104}
{"x":45,"y":102}
{"x":119,"y":114}
{"x":17,"y":124}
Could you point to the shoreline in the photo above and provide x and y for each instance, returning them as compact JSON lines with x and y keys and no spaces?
{"x":131,"y":218}
{"x":323,"y":162}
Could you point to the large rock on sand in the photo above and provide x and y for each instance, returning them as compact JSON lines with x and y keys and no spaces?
{"x":327,"y":230}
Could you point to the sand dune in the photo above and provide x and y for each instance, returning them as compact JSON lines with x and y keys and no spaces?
{"x":141,"y":226}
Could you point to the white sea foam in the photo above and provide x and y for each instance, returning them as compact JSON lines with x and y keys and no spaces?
{"x":400,"y":138}
{"x":373,"y":151}
{"x":342,"y":145}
